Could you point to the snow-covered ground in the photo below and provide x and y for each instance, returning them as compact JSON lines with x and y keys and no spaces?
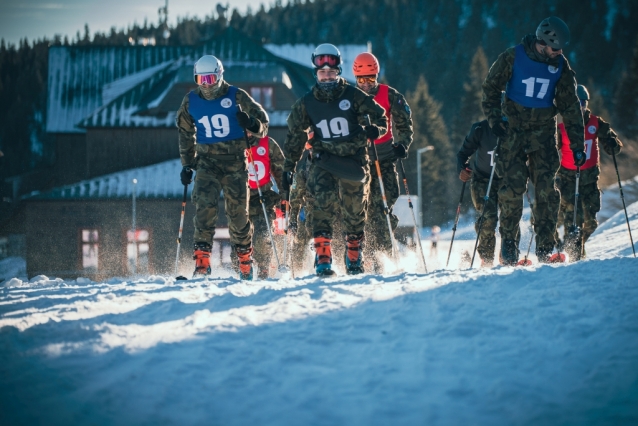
{"x":551,"y":344}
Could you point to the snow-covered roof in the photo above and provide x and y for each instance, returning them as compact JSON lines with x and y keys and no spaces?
{"x":157,"y":181}
{"x":110,"y":86}
{"x":82,"y":79}
{"x":301,"y":54}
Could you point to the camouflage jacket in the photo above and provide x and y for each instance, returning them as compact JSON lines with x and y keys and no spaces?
{"x":402,"y":130}
{"x":299,"y":125}
{"x":276,"y":164}
{"x":189,"y":150}
{"x":519,"y":117}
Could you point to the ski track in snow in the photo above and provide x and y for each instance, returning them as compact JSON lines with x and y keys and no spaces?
{"x":548,"y":344}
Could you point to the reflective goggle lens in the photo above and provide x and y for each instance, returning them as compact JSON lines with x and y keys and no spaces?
{"x":322,"y":60}
{"x":206,"y":78}
{"x":583,"y":102}
{"x":364,"y":80}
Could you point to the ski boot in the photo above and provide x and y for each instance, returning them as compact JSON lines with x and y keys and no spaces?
{"x":244,"y":255}
{"x":323,"y":256}
{"x":353,"y":257}
{"x":202,"y":259}
{"x":509,"y":253}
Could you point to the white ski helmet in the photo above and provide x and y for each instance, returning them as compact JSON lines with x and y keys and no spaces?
{"x":207,"y":65}
{"x":326,"y":56}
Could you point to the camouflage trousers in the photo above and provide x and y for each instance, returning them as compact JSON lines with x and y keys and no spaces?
{"x":211,"y":178}
{"x":262,"y":247}
{"x":376,"y":229}
{"x":487,"y":237}
{"x":333,"y":195}
{"x":588,"y":199}
{"x":529,"y":153}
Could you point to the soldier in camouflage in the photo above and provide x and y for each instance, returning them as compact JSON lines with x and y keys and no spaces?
{"x":211,"y":141}
{"x":538,"y":84}
{"x":269,"y":162}
{"x":339,"y":175}
{"x":598,"y":133}
{"x":481,"y":143}
{"x":390,"y":147}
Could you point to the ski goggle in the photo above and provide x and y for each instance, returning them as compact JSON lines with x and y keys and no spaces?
{"x":368,"y":80}
{"x":206,"y":78}
{"x":320,"y":61}
{"x":583,"y":102}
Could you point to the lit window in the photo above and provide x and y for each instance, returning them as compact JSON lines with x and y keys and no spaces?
{"x":262,"y":95}
{"x":90,"y":249}
{"x":137,"y":251}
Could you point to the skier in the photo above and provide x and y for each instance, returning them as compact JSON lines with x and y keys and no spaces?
{"x":209,"y":116}
{"x":269,"y":163}
{"x":390,"y":147}
{"x":538,"y":84}
{"x":596,"y":129}
{"x":481,"y":143}
{"x":339,"y":175}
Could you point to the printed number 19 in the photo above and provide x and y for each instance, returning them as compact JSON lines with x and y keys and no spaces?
{"x":219,"y":122}
{"x":529,"y":83}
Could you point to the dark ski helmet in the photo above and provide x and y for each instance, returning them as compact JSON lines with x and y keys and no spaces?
{"x":554,"y":32}
{"x":582,"y":93}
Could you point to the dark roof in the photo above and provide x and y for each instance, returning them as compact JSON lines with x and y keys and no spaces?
{"x":133,"y":86}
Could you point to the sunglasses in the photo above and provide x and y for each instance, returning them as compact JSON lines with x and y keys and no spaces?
{"x":206,"y":79}
{"x":364,"y":80}
{"x":544,"y":43}
{"x":320,"y":61}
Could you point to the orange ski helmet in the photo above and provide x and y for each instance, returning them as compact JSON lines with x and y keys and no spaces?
{"x":365,"y":64}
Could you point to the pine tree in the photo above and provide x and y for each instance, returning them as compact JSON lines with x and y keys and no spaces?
{"x":627,"y":97}
{"x":437,"y":166}
{"x":470,"y":110}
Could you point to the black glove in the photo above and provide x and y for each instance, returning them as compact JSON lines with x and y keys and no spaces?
{"x":286,"y":181}
{"x":244,"y":120}
{"x":372,"y":132}
{"x":186,"y":175}
{"x":579,"y":157}
{"x":612,"y":146}
{"x":500,"y":129}
{"x":400,"y":151}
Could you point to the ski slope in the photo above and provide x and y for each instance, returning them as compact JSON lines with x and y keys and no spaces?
{"x":550,"y":344}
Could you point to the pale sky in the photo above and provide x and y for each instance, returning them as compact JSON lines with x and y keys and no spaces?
{"x":38,"y":18}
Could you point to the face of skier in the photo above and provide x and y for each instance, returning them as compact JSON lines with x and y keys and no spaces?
{"x":326,"y":75}
{"x":367,"y":83}
{"x":549,"y":52}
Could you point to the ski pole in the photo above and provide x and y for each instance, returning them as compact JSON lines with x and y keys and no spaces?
{"x":485,"y":200}
{"x":456,"y":222}
{"x":386,"y":210}
{"x":575,"y":236}
{"x":252,"y":169}
{"x":526,"y":261}
{"x":286,"y":222}
{"x":181,"y":228}
{"x":416,"y":228}
{"x":622,"y":197}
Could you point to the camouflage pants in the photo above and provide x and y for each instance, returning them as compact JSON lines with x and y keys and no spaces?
{"x":262,"y":247}
{"x":487,"y":237}
{"x":588,"y":199}
{"x":537,"y":148}
{"x":332,"y":195}
{"x":376,"y":228}
{"x":211,"y":178}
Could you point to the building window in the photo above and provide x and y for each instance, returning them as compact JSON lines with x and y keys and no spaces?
{"x":90,"y":243}
{"x":137,"y":251}
{"x":263,"y":95}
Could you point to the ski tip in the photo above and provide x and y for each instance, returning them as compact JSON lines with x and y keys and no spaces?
{"x":181,"y":278}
